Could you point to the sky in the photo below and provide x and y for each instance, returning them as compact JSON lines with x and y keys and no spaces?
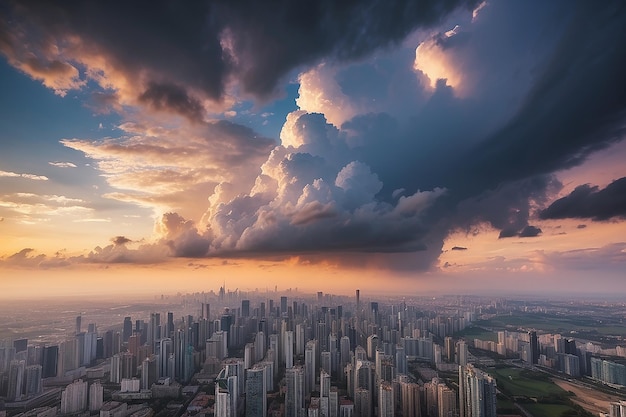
{"x":393,"y":146}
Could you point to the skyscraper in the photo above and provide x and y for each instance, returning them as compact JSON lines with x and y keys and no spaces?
{"x":50,"y":361}
{"x":96,"y":393}
{"x":33,"y":380}
{"x":477,"y":393}
{"x":446,"y":400}
{"x":245,"y":308}
{"x":288,"y":349}
{"x":310,"y":366}
{"x":256,"y":402}
{"x":410,"y":399}
{"x":534,"y":347}
{"x":462,"y":352}
{"x":16,"y":380}
{"x":324,"y":393}
{"x":294,"y":397}
{"x":363,"y":402}
{"x":283,"y":305}
{"x":127,"y":330}
{"x":74,"y":397}
{"x":385,"y":400}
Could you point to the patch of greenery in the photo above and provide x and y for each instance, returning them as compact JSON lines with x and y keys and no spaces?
{"x":471,"y":333}
{"x":551,"y":410}
{"x":523,"y":383}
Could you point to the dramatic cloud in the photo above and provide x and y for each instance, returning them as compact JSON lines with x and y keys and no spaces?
{"x":388,"y":152}
{"x":153,"y":167}
{"x":171,"y":57}
{"x":588,"y":201}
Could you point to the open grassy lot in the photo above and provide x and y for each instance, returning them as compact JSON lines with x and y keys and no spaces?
{"x":548,"y":410}
{"x":587,"y":326}
{"x":523,"y":383}
{"x":471,"y":333}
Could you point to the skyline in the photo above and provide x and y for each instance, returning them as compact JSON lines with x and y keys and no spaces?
{"x":459,"y":147}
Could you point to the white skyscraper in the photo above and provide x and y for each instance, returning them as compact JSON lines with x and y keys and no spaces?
{"x":477,"y":393}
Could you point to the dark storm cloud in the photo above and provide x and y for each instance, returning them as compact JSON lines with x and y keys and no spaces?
{"x":120,"y":240}
{"x":207,"y":44}
{"x":173,"y":98}
{"x":527,"y":231}
{"x":588,"y":201}
{"x":576,"y":105}
{"x":530,"y":231}
{"x":343,"y":190}
{"x":274,"y":37}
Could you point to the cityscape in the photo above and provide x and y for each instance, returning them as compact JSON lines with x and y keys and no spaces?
{"x":312,"y":208}
{"x":230,"y":353}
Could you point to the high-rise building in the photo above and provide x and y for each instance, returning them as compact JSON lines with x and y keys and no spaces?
{"x":288,"y":349}
{"x":372,"y":345}
{"x":165,"y":350}
{"x":245,"y":308}
{"x":326,"y":362}
{"x":127,"y":329}
{"x":256,"y":388}
{"x":385,"y":400}
{"x":449,"y":349}
{"x":477,"y":393}
{"x":461,"y":348}
{"x":333,"y":402}
{"x":96,"y":395}
{"x":50,"y":361}
{"x":16,"y":380}
{"x":310,"y":368}
{"x":20,"y":345}
{"x":446,"y":400}
{"x":222,"y":399}
{"x":294,"y":397}
{"x":149,"y":372}
{"x":33,"y":380}
{"x":534,"y":347}
{"x":344,"y":350}
{"x":363,"y":402}
{"x":324,"y":393}
{"x":410,"y":399}
{"x":283,"y":305}
{"x":116,"y":369}
{"x":74,"y":397}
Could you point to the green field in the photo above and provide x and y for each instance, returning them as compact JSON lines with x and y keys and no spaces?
{"x":563,"y":324}
{"x":523,"y":383}
{"x":471,"y":333}
{"x":548,"y":410}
